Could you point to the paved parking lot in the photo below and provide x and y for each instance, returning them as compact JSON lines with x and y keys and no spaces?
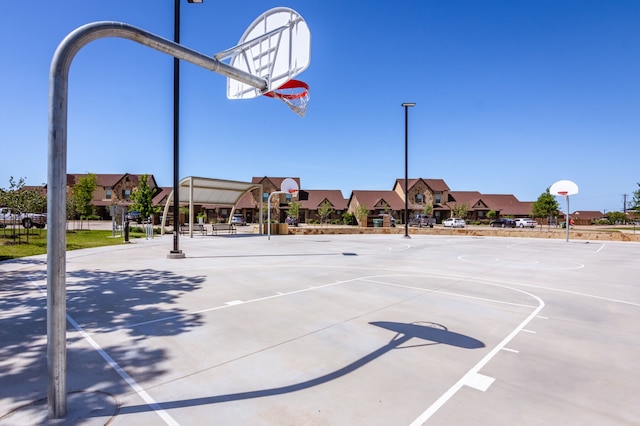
{"x":332,"y":330}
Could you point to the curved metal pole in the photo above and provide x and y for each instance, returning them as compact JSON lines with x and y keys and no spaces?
{"x":57,"y":175}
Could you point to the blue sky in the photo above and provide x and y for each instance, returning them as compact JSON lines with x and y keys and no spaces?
{"x":511,"y":96}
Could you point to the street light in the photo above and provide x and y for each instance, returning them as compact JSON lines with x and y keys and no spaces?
{"x":406,"y":106}
{"x":176,"y":253}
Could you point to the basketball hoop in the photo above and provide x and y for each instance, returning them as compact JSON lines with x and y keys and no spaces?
{"x":563,"y":193}
{"x":294,"y":93}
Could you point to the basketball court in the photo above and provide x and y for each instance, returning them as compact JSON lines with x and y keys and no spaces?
{"x":344,"y":329}
{"x":349,"y":329}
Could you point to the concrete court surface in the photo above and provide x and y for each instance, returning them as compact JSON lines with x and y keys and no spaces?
{"x":332,"y":330}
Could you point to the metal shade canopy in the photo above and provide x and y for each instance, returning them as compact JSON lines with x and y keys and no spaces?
{"x":201,"y":190}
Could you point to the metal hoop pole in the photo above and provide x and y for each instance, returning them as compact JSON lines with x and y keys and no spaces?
{"x":57,"y":173}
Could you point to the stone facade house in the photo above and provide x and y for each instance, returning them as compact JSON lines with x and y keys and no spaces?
{"x":313,"y":199}
{"x":377,"y":202}
{"x":112,"y":190}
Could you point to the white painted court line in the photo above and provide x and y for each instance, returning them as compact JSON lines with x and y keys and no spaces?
{"x":157,"y":408}
{"x":469,"y":376}
{"x":511,"y":350}
{"x":125,"y":376}
{"x":447,"y":293}
{"x":479,"y":381}
{"x":234,"y":302}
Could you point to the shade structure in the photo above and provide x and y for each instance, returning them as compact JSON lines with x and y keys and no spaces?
{"x":201,"y":190}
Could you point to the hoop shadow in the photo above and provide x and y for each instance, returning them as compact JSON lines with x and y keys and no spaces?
{"x":431,"y":332}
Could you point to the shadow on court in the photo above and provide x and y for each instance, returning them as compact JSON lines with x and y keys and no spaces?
{"x":97,"y":301}
{"x":429,"y":333}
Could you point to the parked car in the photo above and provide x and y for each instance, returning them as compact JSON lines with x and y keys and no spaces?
{"x":421,"y":220}
{"x":27,"y":220}
{"x":238,"y":219}
{"x":504,"y":222}
{"x":525,"y":222}
{"x":454,"y":222}
{"x":134,"y":216}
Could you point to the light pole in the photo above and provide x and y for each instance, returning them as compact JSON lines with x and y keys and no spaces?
{"x":406,"y":106}
{"x":176,"y":253}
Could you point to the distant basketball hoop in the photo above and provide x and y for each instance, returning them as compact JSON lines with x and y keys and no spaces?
{"x":294,"y":93}
{"x":564,"y":188}
{"x":289,"y":186}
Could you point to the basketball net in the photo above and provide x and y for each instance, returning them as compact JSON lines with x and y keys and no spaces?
{"x":294,"y":93}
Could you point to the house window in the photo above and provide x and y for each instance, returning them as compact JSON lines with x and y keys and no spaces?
{"x":108,"y":191}
{"x":288,"y":198}
{"x":419,"y":198}
{"x":265,"y":197}
{"x":126,"y":194}
{"x":438,"y":196}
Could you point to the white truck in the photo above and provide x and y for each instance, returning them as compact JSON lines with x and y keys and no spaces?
{"x":27,"y":220}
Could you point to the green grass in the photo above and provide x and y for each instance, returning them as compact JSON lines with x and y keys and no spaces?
{"x":13,"y":246}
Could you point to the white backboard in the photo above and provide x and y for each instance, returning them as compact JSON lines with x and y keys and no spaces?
{"x":564,"y":188}
{"x":289,"y":185}
{"x":276,"y":47}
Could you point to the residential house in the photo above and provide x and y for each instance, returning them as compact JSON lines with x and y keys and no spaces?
{"x":313,"y":199}
{"x":478,"y":205}
{"x":586,"y":217}
{"x":112,"y":190}
{"x":377,"y":202}
{"x":424,"y":193}
{"x":249,"y":204}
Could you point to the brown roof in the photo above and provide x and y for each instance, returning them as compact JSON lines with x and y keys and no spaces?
{"x":318,"y":196}
{"x":110,"y":180}
{"x":276,"y":181}
{"x":588,"y":214}
{"x":436,"y":185}
{"x":373,"y":199}
{"x":507,"y":204}
{"x":469,"y":198}
{"x":161,"y":197}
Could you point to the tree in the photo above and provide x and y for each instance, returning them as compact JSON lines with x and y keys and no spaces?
{"x":10,"y":198}
{"x":82,"y":193}
{"x":459,"y":210}
{"x":362,"y":211}
{"x":142,"y":198}
{"x":294,"y":210}
{"x":617,"y":217}
{"x":635,"y":202}
{"x":349,"y":218}
{"x":428,"y":209}
{"x":491,"y":214}
{"x":545,"y":206}
{"x":324,"y":210}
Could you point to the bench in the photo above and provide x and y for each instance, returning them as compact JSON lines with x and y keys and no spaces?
{"x":184,"y":229}
{"x":229,"y":227}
